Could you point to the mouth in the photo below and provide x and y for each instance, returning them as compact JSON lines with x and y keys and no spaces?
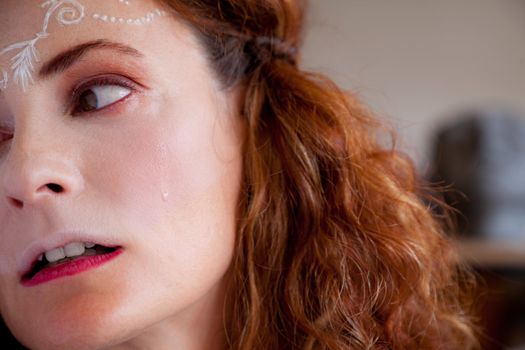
{"x":69,"y":260}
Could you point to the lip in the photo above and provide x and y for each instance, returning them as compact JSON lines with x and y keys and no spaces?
{"x":60,"y":239}
{"x":70,"y":268}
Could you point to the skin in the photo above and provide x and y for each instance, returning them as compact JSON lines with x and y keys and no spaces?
{"x":157,"y":173}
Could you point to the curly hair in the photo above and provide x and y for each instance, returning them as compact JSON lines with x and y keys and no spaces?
{"x":335,"y":247}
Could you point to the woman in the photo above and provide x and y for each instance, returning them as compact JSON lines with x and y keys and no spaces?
{"x":170,"y":179}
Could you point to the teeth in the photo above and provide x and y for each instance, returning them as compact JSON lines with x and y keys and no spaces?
{"x":55,"y":254}
{"x":69,"y":250}
{"x":74,"y":249}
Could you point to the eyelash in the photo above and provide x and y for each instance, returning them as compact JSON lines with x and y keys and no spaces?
{"x":101,"y":81}
{"x":6,"y":135}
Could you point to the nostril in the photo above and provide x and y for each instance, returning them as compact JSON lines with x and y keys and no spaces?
{"x":55,"y":188}
{"x":16,"y":203}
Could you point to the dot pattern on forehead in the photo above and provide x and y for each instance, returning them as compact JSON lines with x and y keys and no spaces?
{"x":22,"y":62}
{"x":68,"y":12}
{"x":146,"y":19}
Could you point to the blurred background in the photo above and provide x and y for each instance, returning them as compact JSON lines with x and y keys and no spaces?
{"x":449,"y":76}
{"x":417,"y":62}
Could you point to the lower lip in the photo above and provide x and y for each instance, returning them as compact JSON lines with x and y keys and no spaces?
{"x":71,"y":268}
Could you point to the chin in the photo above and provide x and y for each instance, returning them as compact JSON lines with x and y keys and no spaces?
{"x":55,"y":334}
{"x":84,"y":325}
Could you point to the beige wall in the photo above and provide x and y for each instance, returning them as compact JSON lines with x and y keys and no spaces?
{"x":418,"y":61}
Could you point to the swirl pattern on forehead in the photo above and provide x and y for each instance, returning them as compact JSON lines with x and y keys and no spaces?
{"x":22,"y":63}
{"x":68,"y":12}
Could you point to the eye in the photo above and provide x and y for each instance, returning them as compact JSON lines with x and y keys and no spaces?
{"x":99,"y":95}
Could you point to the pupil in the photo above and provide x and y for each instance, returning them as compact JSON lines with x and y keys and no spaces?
{"x":88,"y":101}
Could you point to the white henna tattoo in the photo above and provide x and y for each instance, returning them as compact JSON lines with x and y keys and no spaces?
{"x":22,"y":63}
{"x":4,"y":81}
{"x":68,"y":12}
{"x":146,"y":19}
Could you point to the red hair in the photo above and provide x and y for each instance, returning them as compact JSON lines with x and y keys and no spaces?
{"x":335,"y":248}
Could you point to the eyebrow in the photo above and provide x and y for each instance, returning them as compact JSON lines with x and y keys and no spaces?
{"x":68,"y":58}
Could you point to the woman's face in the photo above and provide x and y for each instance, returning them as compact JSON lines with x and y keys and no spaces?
{"x":123,"y":138}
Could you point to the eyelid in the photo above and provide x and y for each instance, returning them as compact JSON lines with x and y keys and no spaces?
{"x":102,"y":80}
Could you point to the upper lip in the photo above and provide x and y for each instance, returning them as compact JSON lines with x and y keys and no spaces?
{"x":37,"y":248}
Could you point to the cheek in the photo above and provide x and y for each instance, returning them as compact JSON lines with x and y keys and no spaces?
{"x":174,"y":166}
{"x":175,"y":187}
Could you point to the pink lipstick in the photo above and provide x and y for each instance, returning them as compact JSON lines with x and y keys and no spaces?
{"x":43,"y":272}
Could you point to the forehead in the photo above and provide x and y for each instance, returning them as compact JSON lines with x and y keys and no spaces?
{"x":33,"y":30}
{"x":23,"y":17}
{"x":61,"y":21}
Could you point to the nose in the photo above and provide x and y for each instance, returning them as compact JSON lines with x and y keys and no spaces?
{"x":32,"y":175}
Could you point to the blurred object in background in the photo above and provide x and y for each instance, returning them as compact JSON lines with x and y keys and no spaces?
{"x":481,"y":154}
{"x":503,"y":309}
{"x":7,"y":341}
{"x":479,"y":157}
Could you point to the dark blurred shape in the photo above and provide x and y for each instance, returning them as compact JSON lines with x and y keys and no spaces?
{"x":481,"y":155}
{"x":7,"y":341}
